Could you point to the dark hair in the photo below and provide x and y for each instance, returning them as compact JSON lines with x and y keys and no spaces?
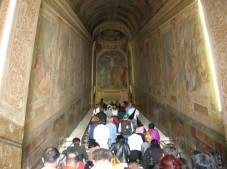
{"x":120,"y":138}
{"x":170,"y":148}
{"x":218,"y":159}
{"x":151,"y":125}
{"x":72,"y":158}
{"x":76,"y":140}
{"x":50,"y":155}
{"x":154,"y":144}
{"x":185,"y":164}
{"x":95,"y":144}
{"x":202,"y":160}
{"x":133,"y":162}
{"x":101,"y":154}
{"x":88,"y":165}
{"x":170,"y":162}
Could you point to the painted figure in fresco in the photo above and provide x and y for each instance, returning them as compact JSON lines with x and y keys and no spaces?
{"x":103,"y":77}
{"x":112,"y":65}
{"x":42,"y":73}
{"x":117,"y":77}
{"x":190,"y":76}
{"x":123,"y":76}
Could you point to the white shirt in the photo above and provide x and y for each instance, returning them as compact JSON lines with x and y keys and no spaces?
{"x":115,"y":112}
{"x":135,"y":141}
{"x":102,"y":135}
{"x":48,"y":168}
{"x":96,"y":110}
{"x":136,"y":112}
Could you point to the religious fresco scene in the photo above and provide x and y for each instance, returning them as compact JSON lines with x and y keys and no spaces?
{"x":56,"y":80}
{"x":111,"y":71}
{"x":59,"y":58}
{"x":177,"y":74}
{"x":111,"y":63}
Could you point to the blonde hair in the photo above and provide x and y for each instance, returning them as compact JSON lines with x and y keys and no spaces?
{"x":147,"y":136}
{"x":110,"y":119}
{"x":94,"y":119}
{"x":115,"y":162}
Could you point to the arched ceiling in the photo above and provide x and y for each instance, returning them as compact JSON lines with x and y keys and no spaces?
{"x":133,"y":14}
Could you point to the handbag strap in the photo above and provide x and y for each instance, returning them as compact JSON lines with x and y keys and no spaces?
{"x":132,"y":115}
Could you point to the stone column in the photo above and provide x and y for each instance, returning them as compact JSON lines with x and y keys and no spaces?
{"x":15,"y":76}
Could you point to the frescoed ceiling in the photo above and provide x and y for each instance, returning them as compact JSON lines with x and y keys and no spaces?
{"x":133,"y":14}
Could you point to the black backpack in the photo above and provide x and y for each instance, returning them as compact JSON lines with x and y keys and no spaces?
{"x":126,"y":127}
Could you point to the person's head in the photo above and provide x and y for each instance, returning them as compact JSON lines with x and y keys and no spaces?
{"x":110,"y":119}
{"x":95,"y":144}
{"x":202,"y":160}
{"x":147,"y":136}
{"x":101,"y":121}
{"x":154,"y":144}
{"x":133,"y":165}
{"x":51,"y":157}
{"x":151,"y":126}
{"x":101,"y":100}
{"x":169,"y":161}
{"x":125,"y":117}
{"x":120,"y":138}
{"x":94,"y":119}
{"x":101,"y":155}
{"x":76,"y":140}
{"x":71,"y":159}
{"x":218,"y":159}
{"x":171,"y":149}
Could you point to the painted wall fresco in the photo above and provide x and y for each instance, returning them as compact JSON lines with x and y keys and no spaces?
{"x":59,"y":85}
{"x":111,"y":71}
{"x":177,"y":67}
{"x":43,"y":58}
{"x":179,"y":82}
{"x":57,"y":67}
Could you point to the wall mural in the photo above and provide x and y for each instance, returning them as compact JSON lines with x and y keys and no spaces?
{"x":181,"y":63}
{"x":178,"y":58}
{"x":111,"y":71}
{"x":63,"y":56}
{"x":60,"y":55}
{"x":43,"y":57}
{"x":111,"y":35}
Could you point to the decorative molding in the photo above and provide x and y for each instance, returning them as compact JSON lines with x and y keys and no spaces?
{"x":169,"y":10}
{"x":14,"y":88}
{"x":11,"y":142}
{"x":62,"y":9}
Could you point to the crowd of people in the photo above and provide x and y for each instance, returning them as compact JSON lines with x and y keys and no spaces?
{"x":118,"y":140}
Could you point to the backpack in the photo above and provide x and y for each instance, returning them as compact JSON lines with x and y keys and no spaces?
{"x":126,"y":127}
